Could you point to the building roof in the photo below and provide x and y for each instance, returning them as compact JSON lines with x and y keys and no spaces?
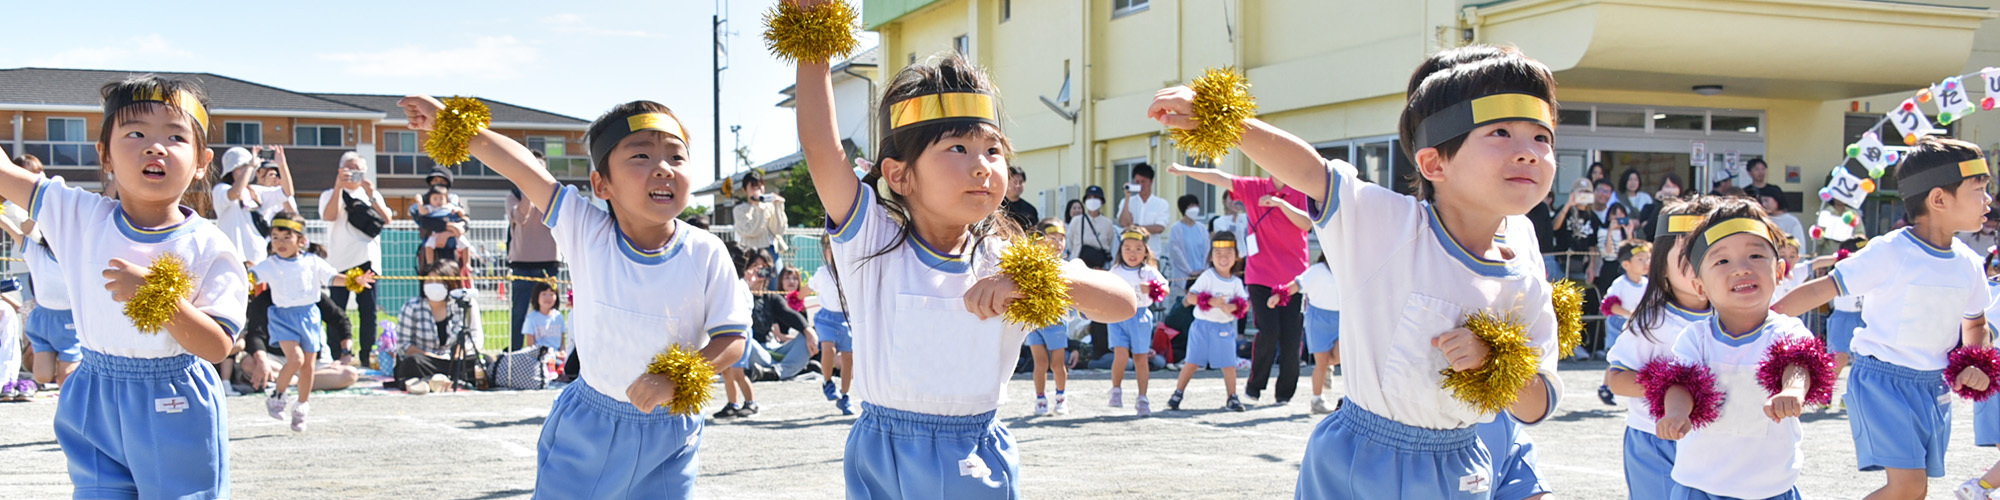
{"x":502,"y":112}
{"x":870,"y":58}
{"x":79,"y":87}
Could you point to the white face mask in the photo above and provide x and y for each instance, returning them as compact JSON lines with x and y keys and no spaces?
{"x":1093,"y":204}
{"x":1192,"y":212}
{"x":435,"y":291}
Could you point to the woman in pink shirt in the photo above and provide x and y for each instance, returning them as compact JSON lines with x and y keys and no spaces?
{"x":1275,"y":254}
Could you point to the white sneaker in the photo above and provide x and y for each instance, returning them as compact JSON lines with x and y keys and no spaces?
{"x":1970,"y":490}
{"x":1319,"y":406}
{"x":299,"y":416}
{"x":440,"y":383}
{"x":1062,"y":404}
{"x":1117,"y":397}
{"x":416,"y":387}
{"x":276,"y":405}
{"x":1041,"y":405}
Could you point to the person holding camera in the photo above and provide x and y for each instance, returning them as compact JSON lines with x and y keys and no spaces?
{"x":240,"y":202}
{"x":355,"y":213}
{"x":761,"y":220}
{"x":1142,"y":208}
{"x":439,"y":330}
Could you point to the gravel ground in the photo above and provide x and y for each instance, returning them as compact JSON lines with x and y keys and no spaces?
{"x":482,"y":446}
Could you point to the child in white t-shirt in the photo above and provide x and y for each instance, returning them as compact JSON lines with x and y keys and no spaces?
{"x":1322,"y":325}
{"x":1670,"y":303}
{"x":1132,"y":339}
{"x":1220,"y":300}
{"x":544,"y":325}
{"x":296,"y":275}
{"x":1635,"y":258}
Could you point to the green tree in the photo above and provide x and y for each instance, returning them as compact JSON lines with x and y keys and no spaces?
{"x":693,"y":210}
{"x":802,"y":204}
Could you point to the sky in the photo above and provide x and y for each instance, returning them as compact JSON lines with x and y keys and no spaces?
{"x":576,"y":58}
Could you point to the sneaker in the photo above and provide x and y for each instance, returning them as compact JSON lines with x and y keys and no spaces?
{"x":749,"y":408}
{"x":1319,"y":406}
{"x":416,"y":387}
{"x":276,"y":405}
{"x":1234,"y":404}
{"x":27,"y":389}
{"x":230,"y":390}
{"x":1253,"y":397}
{"x":1145,"y":407}
{"x":1062,"y":404}
{"x":1174,"y":403}
{"x":299,"y":416}
{"x":1604,"y":394}
{"x":842,"y":405}
{"x":1970,"y":490}
{"x":727,"y":411}
{"x":1041,"y":405}
{"x":828,"y":389}
{"x":1282,"y":402}
{"x":1117,"y":397}
{"x":10,"y":391}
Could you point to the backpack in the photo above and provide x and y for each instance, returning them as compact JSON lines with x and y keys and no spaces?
{"x":522,"y":369}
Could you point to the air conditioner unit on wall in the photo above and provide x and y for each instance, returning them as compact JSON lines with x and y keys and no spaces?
{"x":1054,"y":199}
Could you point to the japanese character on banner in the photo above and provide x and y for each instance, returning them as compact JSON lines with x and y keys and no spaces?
{"x":1911,"y":122}
{"x":1992,"y":77}
{"x":1870,"y":152}
{"x":1950,"y":98}
{"x":1846,"y":187}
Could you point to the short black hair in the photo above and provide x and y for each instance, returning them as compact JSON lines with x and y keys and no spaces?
{"x":1143,"y":170}
{"x":1606,"y":182}
{"x":1754,"y":163}
{"x":1932,"y":153}
{"x":1013,"y":171}
{"x":1462,"y":74}
{"x":1188,"y":200}
{"x":751,"y":179}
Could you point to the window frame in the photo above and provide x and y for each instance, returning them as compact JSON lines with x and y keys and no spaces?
{"x":1131,"y":7}
{"x":319,"y":134}
{"x":257,"y":125}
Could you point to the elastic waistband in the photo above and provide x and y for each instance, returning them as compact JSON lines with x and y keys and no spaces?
{"x":136,"y":368}
{"x":900,"y":421}
{"x":829,"y":314}
{"x":1144,"y":315}
{"x":582,"y":393}
{"x":39,"y":310}
{"x":314,"y":307}
{"x":1887,"y":369}
{"x":1393,"y":434}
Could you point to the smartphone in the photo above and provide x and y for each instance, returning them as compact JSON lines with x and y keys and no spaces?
{"x":1586,"y":197}
{"x":1624,"y":220}
{"x":268,"y":154}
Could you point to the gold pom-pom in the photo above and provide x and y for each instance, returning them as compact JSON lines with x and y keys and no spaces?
{"x":1510,"y":363}
{"x":1567,"y":297}
{"x":1222,"y":102}
{"x":811,"y":34}
{"x":451,"y":138}
{"x":354,"y":281}
{"x":1037,"y":273}
{"x":166,"y":284}
{"x":691,"y":374}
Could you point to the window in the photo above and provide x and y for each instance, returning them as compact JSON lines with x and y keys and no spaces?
{"x":400,"y":155}
{"x":962,"y":44}
{"x":553,"y":147}
{"x":1738,"y":124}
{"x":1006,"y":10}
{"x":317,"y":135}
{"x":67,"y":130}
{"x":1621,"y":119}
{"x":247,"y":133}
{"x":1667,"y":120}
{"x":69,"y":144}
{"x":1119,"y":8}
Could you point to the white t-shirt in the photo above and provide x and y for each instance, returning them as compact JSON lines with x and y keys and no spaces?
{"x":1791,"y":226}
{"x":1799,"y":274}
{"x":1223,"y":287}
{"x":1627,"y":291}
{"x":916,"y":348}
{"x":51,"y":289}
{"x":296,"y":281}
{"x":829,"y":295}
{"x":1155,"y":211}
{"x":1137,"y":277}
{"x":92,"y":230}
{"x":1918,"y":296}
{"x":1404,"y":281}
{"x":10,"y":340}
{"x":1322,"y":291}
{"x":1633,"y":350}
{"x":17,"y":216}
{"x":1742,"y":454}
{"x":1238,"y":225}
{"x":346,"y":246}
{"x":633,"y":304}
{"x":233,"y":217}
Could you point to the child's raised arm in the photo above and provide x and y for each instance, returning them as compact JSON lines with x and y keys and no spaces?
{"x":17,"y":184}
{"x":497,"y":151}
{"x":1285,"y":156}
{"x":819,"y":138}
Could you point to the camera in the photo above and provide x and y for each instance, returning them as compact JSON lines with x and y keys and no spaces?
{"x":1132,"y":188}
{"x":354,"y":176}
{"x":766,"y":197}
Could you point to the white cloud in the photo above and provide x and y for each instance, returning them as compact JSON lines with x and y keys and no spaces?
{"x":572,"y":23}
{"x":488,"y":57}
{"x":140,"y":52}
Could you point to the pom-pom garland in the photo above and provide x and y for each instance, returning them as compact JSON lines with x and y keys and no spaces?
{"x":167,"y":283}
{"x":811,"y":34}
{"x":1660,"y":374}
{"x":1242,"y":306}
{"x":1986,"y":359}
{"x":1566,"y":296}
{"x":691,"y":374}
{"x":451,"y":137}
{"x":1804,"y":352}
{"x":1510,"y":364}
{"x":1222,"y":102}
{"x":354,"y":280}
{"x":1156,"y":290}
{"x":1037,"y":274}
{"x":1201,"y":301}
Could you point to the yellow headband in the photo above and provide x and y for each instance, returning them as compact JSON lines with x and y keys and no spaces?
{"x":608,"y":138}
{"x":1681,"y":224}
{"x":1972,"y":167}
{"x":1222,"y":244}
{"x":289,"y":224}
{"x":1052,"y":229}
{"x":1134,"y":235}
{"x":1733,"y":227}
{"x":182,"y":99}
{"x":970,"y":106}
{"x":1460,"y":119}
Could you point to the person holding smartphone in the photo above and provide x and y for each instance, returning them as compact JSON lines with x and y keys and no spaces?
{"x":1580,"y":221}
{"x":351,"y":247}
{"x":761,"y":219}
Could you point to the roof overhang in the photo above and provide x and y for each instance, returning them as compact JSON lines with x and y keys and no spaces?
{"x":78,"y":108}
{"x":1794,"y":49}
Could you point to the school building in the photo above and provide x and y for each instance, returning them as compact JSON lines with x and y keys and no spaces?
{"x":54,"y":114}
{"x":1692,"y":87}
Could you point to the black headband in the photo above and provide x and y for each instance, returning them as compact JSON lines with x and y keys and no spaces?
{"x":182,"y":99}
{"x":618,"y":128}
{"x":1918,"y":186}
{"x":1462,"y":118}
{"x":1698,"y":245}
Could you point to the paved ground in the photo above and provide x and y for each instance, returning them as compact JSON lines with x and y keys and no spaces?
{"x":481,"y":446}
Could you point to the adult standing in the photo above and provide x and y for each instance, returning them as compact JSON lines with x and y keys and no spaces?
{"x":760,"y":219}
{"x":1670,"y":190}
{"x":1142,"y":209}
{"x":1631,"y":194}
{"x":1275,"y":254}
{"x":1758,"y":186}
{"x":355,"y":215}
{"x":1092,"y":236}
{"x":1231,"y":220}
{"x":1187,"y":246}
{"x":238,"y":200}
{"x":1023,"y":213}
{"x":1543,"y":216}
{"x":531,"y":253}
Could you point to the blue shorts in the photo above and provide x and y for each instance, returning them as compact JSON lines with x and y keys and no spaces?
{"x":1211,"y":344}
{"x":1355,"y":454}
{"x":593,"y":446}
{"x":1053,"y":337}
{"x":144,"y":428}
{"x":744,"y":360}
{"x":1613,"y":325}
{"x":1322,"y":329}
{"x":1901,"y":417}
{"x":832,"y":327}
{"x":1135,"y":334}
{"x":1986,"y":422}
{"x":1649,"y":465}
{"x":1514,"y":460}
{"x":1840,"y":328}
{"x":298,"y":324}
{"x":54,"y":330}
{"x":1686,"y":493}
{"x":895,"y":454}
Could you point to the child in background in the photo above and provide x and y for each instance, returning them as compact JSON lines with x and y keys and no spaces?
{"x":1322,"y":326}
{"x":1846,"y":317}
{"x":836,"y":344}
{"x":296,"y":274}
{"x":742,"y":399}
{"x":1635,"y":257}
{"x":446,"y":223}
{"x":51,"y":327}
{"x":1132,"y":339}
{"x":1669,"y":304}
{"x":544,"y":324}
{"x":1986,"y":414}
{"x":1220,"y":300}
{"x":1049,"y":346}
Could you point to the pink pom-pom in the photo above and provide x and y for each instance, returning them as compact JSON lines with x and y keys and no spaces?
{"x":1841,"y":255}
{"x":1660,"y":374}
{"x":795,"y":301}
{"x":1284,"y":296}
{"x":1605,"y":306}
{"x":1242,"y":306}
{"x":1804,"y":352}
{"x":1986,"y":359}
{"x":1157,"y":290}
{"x":1201,"y":300}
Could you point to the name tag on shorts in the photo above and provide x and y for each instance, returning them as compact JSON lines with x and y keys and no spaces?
{"x":1473,"y":483}
{"x":974,"y":467}
{"x":1944,"y":399}
{"x":170,"y":405}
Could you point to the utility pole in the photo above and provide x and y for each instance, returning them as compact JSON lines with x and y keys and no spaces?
{"x":715,"y":22}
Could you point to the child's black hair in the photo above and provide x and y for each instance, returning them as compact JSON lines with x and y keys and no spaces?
{"x":1931,"y":153}
{"x":1187,"y":200}
{"x":119,"y":107}
{"x":1649,"y":312}
{"x":950,"y":73}
{"x":310,"y":246}
{"x":1235,"y":269}
{"x":437,"y":190}
{"x":1457,"y":75}
{"x":540,"y":288}
{"x":618,"y":114}
{"x":1736,"y":208}
{"x":1632,"y":248}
